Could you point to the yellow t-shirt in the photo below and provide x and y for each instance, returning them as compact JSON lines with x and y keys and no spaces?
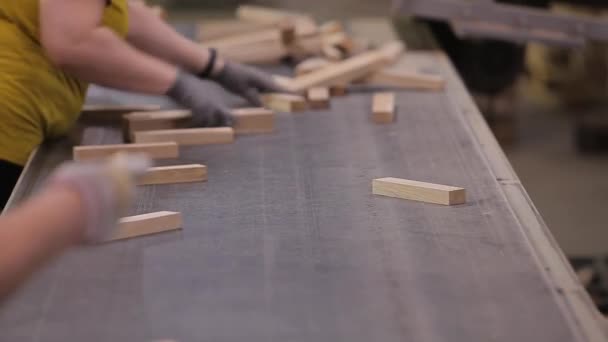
{"x":37,"y":100}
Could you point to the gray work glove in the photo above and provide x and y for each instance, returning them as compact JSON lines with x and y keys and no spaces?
{"x":203,"y":98}
{"x":247,"y":82}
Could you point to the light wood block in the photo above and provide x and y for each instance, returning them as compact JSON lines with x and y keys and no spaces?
{"x":332,"y":53}
{"x":215,"y":29}
{"x":258,"y":14}
{"x":284,"y":102}
{"x":405,"y":79}
{"x":162,"y":150}
{"x":312,"y":64}
{"x":253,"y":120}
{"x":154,"y":120}
{"x":419,"y":191}
{"x":188,"y":136}
{"x":111,"y":113}
{"x":147,"y":224}
{"x":333,"y":26}
{"x":174,"y":174}
{"x":350,"y":69}
{"x":318,"y":97}
{"x":383,"y":108}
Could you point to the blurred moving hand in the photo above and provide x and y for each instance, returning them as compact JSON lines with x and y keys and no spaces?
{"x":247,"y":82}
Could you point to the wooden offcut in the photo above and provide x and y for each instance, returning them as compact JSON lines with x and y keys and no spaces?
{"x":147,"y":224}
{"x":419,"y":191}
{"x":210,"y":29}
{"x":383,"y":108}
{"x":312,"y":64}
{"x":154,"y":120}
{"x":174,"y":174}
{"x":406,"y":79}
{"x":188,"y":136}
{"x":350,"y":69}
{"x":304,"y":24}
{"x":102,"y":114}
{"x":163,"y":150}
{"x":284,"y":102}
{"x":318,"y":97}
{"x":253,"y":120}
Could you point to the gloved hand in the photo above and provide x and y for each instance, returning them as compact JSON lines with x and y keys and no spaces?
{"x":247,"y":82}
{"x":208,"y":110}
{"x":106,"y":190}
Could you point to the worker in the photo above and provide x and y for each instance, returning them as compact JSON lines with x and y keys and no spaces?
{"x":80,"y":203}
{"x":51,"y":49}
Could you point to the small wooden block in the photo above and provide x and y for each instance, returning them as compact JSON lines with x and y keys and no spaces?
{"x":174,"y":174}
{"x":383,"y":108}
{"x":406,"y":79}
{"x":330,"y":27}
{"x":338,"y":90}
{"x":163,"y":150}
{"x":102,"y":114}
{"x":318,"y":97}
{"x":332,"y":53}
{"x":284,"y":102}
{"x":147,"y":224}
{"x":253,"y":120}
{"x":419,"y":191}
{"x":312,"y":64}
{"x":154,"y":120}
{"x":189,"y":136}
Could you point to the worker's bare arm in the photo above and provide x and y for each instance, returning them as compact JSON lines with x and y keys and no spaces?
{"x":152,"y":35}
{"x":81,"y":46}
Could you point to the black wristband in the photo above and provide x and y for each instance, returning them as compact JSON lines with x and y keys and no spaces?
{"x":209,"y":68}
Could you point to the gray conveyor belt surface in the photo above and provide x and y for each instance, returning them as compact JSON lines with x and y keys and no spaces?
{"x":287,"y":243}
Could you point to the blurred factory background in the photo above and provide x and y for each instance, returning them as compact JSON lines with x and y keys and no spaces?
{"x":547,"y":106}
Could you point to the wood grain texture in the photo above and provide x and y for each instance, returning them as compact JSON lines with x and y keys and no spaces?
{"x":154,"y":120}
{"x":284,"y":102}
{"x":147,"y":224}
{"x":318,"y":97}
{"x":350,"y":69}
{"x":174,"y":174}
{"x":188,"y":136}
{"x":253,"y":120}
{"x":164,"y":150}
{"x":419,"y":191}
{"x":383,"y":108}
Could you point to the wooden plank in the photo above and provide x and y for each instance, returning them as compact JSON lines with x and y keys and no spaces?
{"x":419,"y":191}
{"x":188,"y":136}
{"x":383,"y":108}
{"x":147,"y":224}
{"x":350,"y":69}
{"x":253,"y":120}
{"x":318,"y":97}
{"x":338,"y":90}
{"x":312,"y":64}
{"x":174,"y":174}
{"x":405,"y":79}
{"x":284,"y":102}
{"x":168,"y":149}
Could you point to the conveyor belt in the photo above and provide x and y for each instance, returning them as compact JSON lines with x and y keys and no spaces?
{"x":286,"y":243}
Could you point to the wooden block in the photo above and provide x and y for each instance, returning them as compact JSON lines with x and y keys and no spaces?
{"x":310,"y":65}
{"x":102,"y":114}
{"x":283,"y":81}
{"x":215,"y":29}
{"x":419,"y":191}
{"x":253,"y":120}
{"x":350,"y":69}
{"x":318,"y":97}
{"x":333,"y":26}
{"x":338,"y":90}
{"x":156,"y":150}
{"x":305,"y":25}
{"x":174,"y":174}
{"x":288,"y":32}
{"x":154,"y":120}
{"x":188,"y":136}
{"x":405,"y":79}
{"x":332,"y":53}
{"x":383,"y":108}
{"x":284,"y":102}
{"x":147,"y":224}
